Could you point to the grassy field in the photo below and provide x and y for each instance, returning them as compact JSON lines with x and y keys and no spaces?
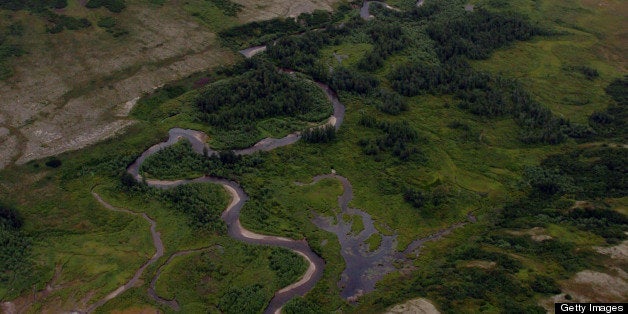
{"x":478,"y":167}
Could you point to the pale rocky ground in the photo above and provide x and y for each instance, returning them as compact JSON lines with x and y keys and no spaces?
{"x":264,"y":10}
{"x":70,"y":90}
{"x":611,"y":285}
{"x":414,"y":306}
{"x":537,"y":234}
{"x":76,"y":88}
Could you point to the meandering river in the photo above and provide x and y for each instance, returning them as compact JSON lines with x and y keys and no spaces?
{"x":231,"y":215}
{"x":363,"y":269}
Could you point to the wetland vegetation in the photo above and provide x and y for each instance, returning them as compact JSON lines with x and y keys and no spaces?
{"x":449,"y":121}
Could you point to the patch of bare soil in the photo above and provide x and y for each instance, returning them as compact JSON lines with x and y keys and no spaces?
{"x":618,"y":252}
{"x":268,"y":9}
{"x":8,"y":308}
{"x":414,"y":306}
{"x":75,"y":88}
{"x":537,"y":234}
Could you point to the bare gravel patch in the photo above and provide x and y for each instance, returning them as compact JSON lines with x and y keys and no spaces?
{"x":414,"y":306}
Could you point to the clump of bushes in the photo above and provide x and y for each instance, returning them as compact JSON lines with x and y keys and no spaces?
{"x":387,"y":39}
{"x":115,"y":6}
{"x":201,"y":203}
{"x":420,"y":198}
{"x":14,"y":249}
{"x":240,"y":36}
{"x":399,"y":139}
{"x":53,"y":162}
{"x":109,"y":23}
{"x":388,"y":102}
{"x":323,"y":134}
{"x":287,"y":266}
{"x":611,"y":123}
{"x":588,"y":72}
{"x":300,"y":53}
{"x":352,"y":81}
{"x":57,"y":23}
{"x":249,"y":299}
{"x":174,"y":162}
{"x":33,"y":5}
{"x":228,"y":8}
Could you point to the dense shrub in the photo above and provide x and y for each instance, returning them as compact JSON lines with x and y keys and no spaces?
{"x":611,"y":123}
{"x":399,"y":139}
{"x":57,"y":23}
{"x":262,"y":92}
{"x":416,"y":197}
{"x":239,"y":36}
{"x":316,"y":19}
{"x":287,"y":266}
{"x":300,"y":53}
{"x":545,"y":284}
{"x":618,"y":90}
{"x":476,"y":34}
{"x":174,"y":162}
{"x":201,"y":203}
{"x":548,"y":181}
{"x":250,"y":299}
{"x":352,"y":81}
{"x":588,"y":72}
{"x":387,"y":38}
{"x":299,"y":305}
{"x":107,"y":22}
{"x":53,"y":162}
{"x":33,"y":5}
{"x":14,"y":248}
{"x":596,"y":173}
{"x":591,"y":174}
{"x":323,"y":134}
{"x":10,"y":217}
{"x":388,"y":102}
{"x":228,"y":7}
{"x":115,"y":6}
{"x":419,"y":198}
